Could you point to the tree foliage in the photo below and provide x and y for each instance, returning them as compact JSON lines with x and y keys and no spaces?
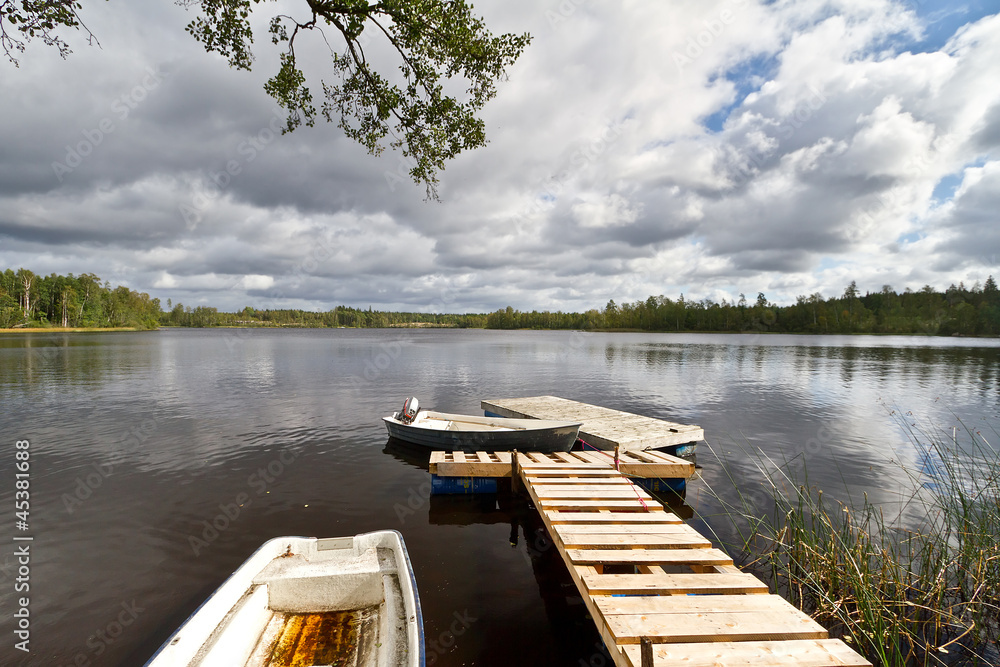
{"x":341,"y":316}
{"x":24,"y":20}
{"x":72,"y":301}
{"x":439,"y":43}
{"x":957,"y":311}
{"x":83,"y":301}
{"x":436,"y":40}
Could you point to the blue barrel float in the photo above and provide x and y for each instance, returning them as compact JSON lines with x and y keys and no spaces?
{"x":659,"y":485}
{"x":441,"y":486}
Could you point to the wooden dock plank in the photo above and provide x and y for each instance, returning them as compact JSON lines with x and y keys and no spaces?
{"x":686,"y":605}
{"x":734,"y":626}
{"x":591,"y":491}
{"x":446,"y":464}
{"x":673,"y":584}
{"x":598,"y":457}
{"x":654,"y":556}
{"x":801,"y":653}
{"x":630,"y":541}
{"x":613,"y":504}
{"x":613,"y":492}
{"x":593,"y":471}
{"x":576,"y":481}
{"x":705,"y":618}
{"x":612,"y":534}
{"x":562,"y":465}
{"x":709,"y":600}
{"x":497,"y":464}
{"x":632,"y":432}
{"x":602,"y":427}
{"x":641,"y":464}
{"x":680,"y":469}
{"x":657,"y":516}
{"x":675,"y":528}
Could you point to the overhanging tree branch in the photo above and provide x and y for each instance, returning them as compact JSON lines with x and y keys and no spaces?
{"x":436,"y":40}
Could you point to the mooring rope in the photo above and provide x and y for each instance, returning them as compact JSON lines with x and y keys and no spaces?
{"x":615,"y":463}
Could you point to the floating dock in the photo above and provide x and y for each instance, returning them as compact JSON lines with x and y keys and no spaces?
{"x":602,"y":427}
{"x":477,"y":472}
{"x":658,"y":592}
{"x":498,"y":464}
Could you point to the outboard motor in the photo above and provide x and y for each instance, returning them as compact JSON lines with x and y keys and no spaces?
{"x":411,"y":407}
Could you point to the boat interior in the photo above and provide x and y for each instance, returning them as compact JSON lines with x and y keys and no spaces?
{"x":334,"y":607}
{"x":439,"y":423}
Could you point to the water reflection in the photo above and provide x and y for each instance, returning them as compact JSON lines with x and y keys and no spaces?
{"x":413,"y":455}
{"x":187,"y":420}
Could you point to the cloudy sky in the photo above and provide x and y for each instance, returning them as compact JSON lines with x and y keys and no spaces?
{"x":638,"y":148}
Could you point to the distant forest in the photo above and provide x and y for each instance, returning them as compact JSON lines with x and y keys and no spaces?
{"x":341,"y":316}
{"x":958,"y":310}
{"x":84,"y":301}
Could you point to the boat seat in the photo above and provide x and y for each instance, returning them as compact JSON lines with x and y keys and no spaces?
{"x":354,"y":582}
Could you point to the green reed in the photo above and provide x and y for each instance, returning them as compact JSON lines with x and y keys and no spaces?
{"x":918,"y":587}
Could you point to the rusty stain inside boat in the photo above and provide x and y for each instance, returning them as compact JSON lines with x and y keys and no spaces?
{"x":329,"y":638}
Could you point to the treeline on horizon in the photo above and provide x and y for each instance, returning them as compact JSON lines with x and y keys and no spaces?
{"x":84,"y":301}
{"x":341,"y":316}
{"x":958,"y":311}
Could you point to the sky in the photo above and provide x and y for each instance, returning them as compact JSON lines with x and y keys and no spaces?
{"x":696,"y":147}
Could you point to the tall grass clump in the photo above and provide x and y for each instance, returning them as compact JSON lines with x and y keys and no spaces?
{"x":915,"y":586}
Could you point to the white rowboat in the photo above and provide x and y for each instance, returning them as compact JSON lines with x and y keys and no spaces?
{"x":442,"y":430}
{"x":308,"y":601}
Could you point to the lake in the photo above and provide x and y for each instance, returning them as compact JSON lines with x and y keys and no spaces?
{"x":139,"y":441}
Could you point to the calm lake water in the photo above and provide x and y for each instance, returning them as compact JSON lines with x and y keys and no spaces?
{"x":137,"y":440}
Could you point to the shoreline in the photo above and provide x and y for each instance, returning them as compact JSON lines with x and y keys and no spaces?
{"x":425,"y":325}
{"x":66,"y":330}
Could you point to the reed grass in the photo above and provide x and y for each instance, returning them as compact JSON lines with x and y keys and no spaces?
{"x":920,"y":586}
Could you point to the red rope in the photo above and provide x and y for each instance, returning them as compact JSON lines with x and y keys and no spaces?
{"x":615,"y":463}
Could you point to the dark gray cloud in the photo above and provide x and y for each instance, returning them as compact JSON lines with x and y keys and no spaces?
{"x":795,"y":150}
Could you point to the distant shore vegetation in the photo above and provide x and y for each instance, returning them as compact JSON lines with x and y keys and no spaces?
{"x":71,"y":302}
{"x":959,"y":310}
{"x":29,"y":301}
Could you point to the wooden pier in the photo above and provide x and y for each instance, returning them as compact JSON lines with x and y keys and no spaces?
{"x":498,"y":464}
{"x":602,"y":427}
{"x":651,"y":583}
